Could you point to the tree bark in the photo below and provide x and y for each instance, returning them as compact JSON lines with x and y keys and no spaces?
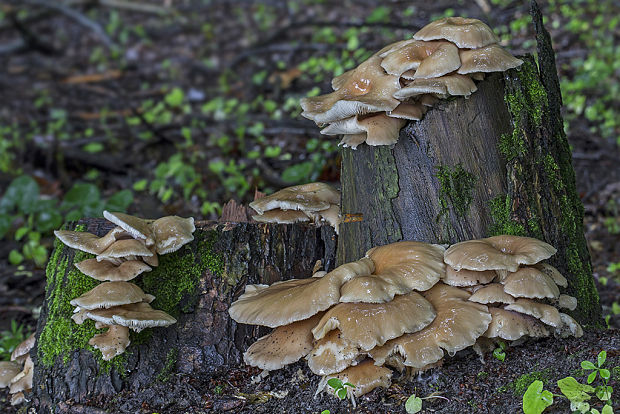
{"x":496,"y":163}
{"x":195,"y":284}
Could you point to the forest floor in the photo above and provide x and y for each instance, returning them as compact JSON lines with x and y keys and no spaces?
{"x":82,"y":105}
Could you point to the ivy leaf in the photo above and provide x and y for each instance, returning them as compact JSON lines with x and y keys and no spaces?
{"x":413,"y":404}
{"x":575,"y":391}
{"x":535,"y":399}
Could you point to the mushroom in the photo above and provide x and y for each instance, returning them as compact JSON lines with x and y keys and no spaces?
{"x":136,"y":316}
{"x":567,"y":302}
{"x":365,"y":376}
{"x":458,"y":324}
{"x":443,"y":86}
{"x":8,"y":371}
{"x":172,"y":232}
{"x":466,"y":277}
{"x":443,"y":60}
{"x":296,"y":299}
{"x":491,"y":293}
{"x":138,"y":228}
{"x":332,"y":354}
{"x":21,"y":351}
{"x":281,"y":216}
{"x":492,"y":58}
{"x":545,"y":313}
{"x":465,"y":33}
{"x":107,"y":271}
{"x":553,"y":273}
{"x":368,"y":325}
{"x":124,"y":249}
{"x":569,"y":327}
{"x":108,"y":294}
{"x":410,"y":56}
{"x":379,"y":128}
{"x":529,"y":282}
{"x":410,"y":111}
{"x":112,"y":342}
{"x":88,"y":242}
{"x":23,"y":380}
{"x":510,"y":325}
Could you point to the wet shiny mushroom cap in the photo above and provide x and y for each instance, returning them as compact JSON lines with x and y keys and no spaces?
{"x":492,"y":58}
{"x":491,"y":293}
{"x":332,"y":354}
{"x":109,"y":294}
{"x":172,"y":232}
{"x":125,"y":248}
{"x":510,"y":325}
{"x":108,"y":271}
{"x":112,"y":342}
{"x":305,"y":197}
{"x":529,"y":282}
{"x":138,"y":228}
{"x":545,"y":313}
{"x":466,"y":277}
{"x":366,"y":376}
{"x":88,"y":242}
{"x":8,"y":371}
{"x":465,"y":33}
{"x":136,"y":316}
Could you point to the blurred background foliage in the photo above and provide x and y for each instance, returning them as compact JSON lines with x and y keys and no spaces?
{"x":176,"y":106}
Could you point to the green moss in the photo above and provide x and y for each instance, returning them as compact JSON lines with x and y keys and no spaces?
{"x":456,"y":189}
{"x":501,"y":213}
{"x":483,"y":375}
{"x":171,"y":361}
{"x":519,"y":386}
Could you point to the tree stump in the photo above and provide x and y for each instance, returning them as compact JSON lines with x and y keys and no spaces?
{"x":496,"y":163}
{"x":195,"y":285}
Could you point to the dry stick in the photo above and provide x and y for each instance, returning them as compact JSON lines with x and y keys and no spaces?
{"x":137,"y":7}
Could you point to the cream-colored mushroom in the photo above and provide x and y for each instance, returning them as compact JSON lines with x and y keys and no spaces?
{"x":108,"y":271}
{"x":112,"y":342}
{"x":108,"y":294}
{"x":465,"y":33}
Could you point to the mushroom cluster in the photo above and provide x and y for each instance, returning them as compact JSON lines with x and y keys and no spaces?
{"x":404,"y":305}
{"x":400,"y":82}
{"x":17,"y":373}
{"x":122,"y":254}
{"x":317,"y":202}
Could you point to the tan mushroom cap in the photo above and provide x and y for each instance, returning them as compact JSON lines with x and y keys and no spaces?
{"x":443,"y":86}
{"x":352,"y":140}
{"x":281,"y":216}
{"x":492,"y":58}
{"x":410,"y":56}
{"x":377,"y":128}
{"x":135,"y":316}
{"x":137,"y":227}
{"x":466,"y":277}
{"x":567,"y":302}
{"x":332,"y":354}
{"x":18,"y":398}
{"x":553,"y":273}
{"x":368,"y":325}
{"x":125,"y":248}
{"x":285,"y":345}
{"x":458,"y":324}
{"x":308,"y":197}
{"x":112,"y":342}
{"x":23,"y":349}
{"x":88,"y":242}
{"x":105,"y":270}
{"x":392,"y":47}
{"x":445,"y":59}
{"x":331,"y":215}
{"x":545,"y":313}
{"x":365,"y":89}
{"x":108,"y":294}
{"x":529,"y":282}
{"x":8,"y":371}
{"x":399,"y":268}
{"x":497,"y":253}
{"x":410,"y":111}
{"x":511,"y":325}
{"x":79,"y":315}
{"x":172,"y":232}
{"x":465,"y":33}
{"x":293,"y":300}
{"x":366,"y":376}
{"x":569,"y":327}
{"x":491,"y":293}
{"x":152,"y":261}
{"x":23,"y":380}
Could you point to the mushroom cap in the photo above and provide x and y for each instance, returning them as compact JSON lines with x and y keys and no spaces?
{"x":88,"y":242}
{"x":411,"y":111}
{"x":497,"y":253}
{"x":23,"y":349}
{"x":458,"y":324}
{"x":307,"y":197}
{"x":105,"y":270}
{"x":443,"y":60}
{"x":112,"y":342}
{"x":465,"y":33}
{"x":136,"y":316}
{"x":492,"y":58}
{"x":553,"y":273}
{"x":466,"y":277}
{"x":108,"y":294}
{"x":281,"y":216}
{"x":569,"y":327}
{"x":18,"y":398}
{"x":366,"y":376}
{"x":367,"y":325}
{"x":529,"y":282}
{"x":545,"y":313}
{"x":293,"y":300}
{"x":332,"y":354}
{"x":124,"y":248}
{"x":172,"y":232}
{"x":377,"y":128}
{"x":399,"y":268}
{"x":443,"y":86}
{"x":352,"y":140}
{"x":491,"y":293}
{"x":137,"y":227}
{"x":362,"y":90}
{"x":23,"y":380}
{"x":567,"y":302}
{"x":409,"y":56}
{"x":510,"y":325}
{"x":285,"y":345}
{"x":8,"y":371}
{"x":331,"y":215}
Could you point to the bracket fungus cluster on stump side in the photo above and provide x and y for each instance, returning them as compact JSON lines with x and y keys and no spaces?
{"x":122,"y":254}
{"x":17,"y":374}
{"x":405,"y":305}
{"x":400,"y":82}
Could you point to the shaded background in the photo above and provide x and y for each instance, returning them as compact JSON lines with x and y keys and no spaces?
{"x":177,"y":106}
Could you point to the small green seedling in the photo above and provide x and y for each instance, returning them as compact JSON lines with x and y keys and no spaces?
{"x":414,"y":403}
{"x":340,"y":388}
{"x":325,"y":412}
{"x":499,"y":353}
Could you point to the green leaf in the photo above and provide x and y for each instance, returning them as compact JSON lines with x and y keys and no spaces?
{"x":335,"y":383}
{"x":140,"y":185}
{"x":535,"y":399}
{"x":575,"y":391}
{"x":602,"y":356}
{"x":47,"y":220}
{"x":21,"y":232}
{"x":15,"y":257}
{"x":605,"y":374}
{"x":348,"y":384}
{"x":604,"y":392}
{"x":119,"y":201}
{"x":325,"y":412}
{"x":39,"y":254}
{"x":499,"y":354}
{"x":175,"y":97}
{"x":413,"y":404}
{"x":341,"y":393}
{"x":22,"y":193}
{"x":607,"y":410}
{"x":592,"y":377}
{"x":5,"y":224}
{"x":82,"y":194}
{"x":298,"y":173}
{"x":587,"y":365}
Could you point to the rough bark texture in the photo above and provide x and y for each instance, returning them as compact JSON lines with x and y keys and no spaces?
{"x":195,"y":284}
{"x":496,"y":163}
